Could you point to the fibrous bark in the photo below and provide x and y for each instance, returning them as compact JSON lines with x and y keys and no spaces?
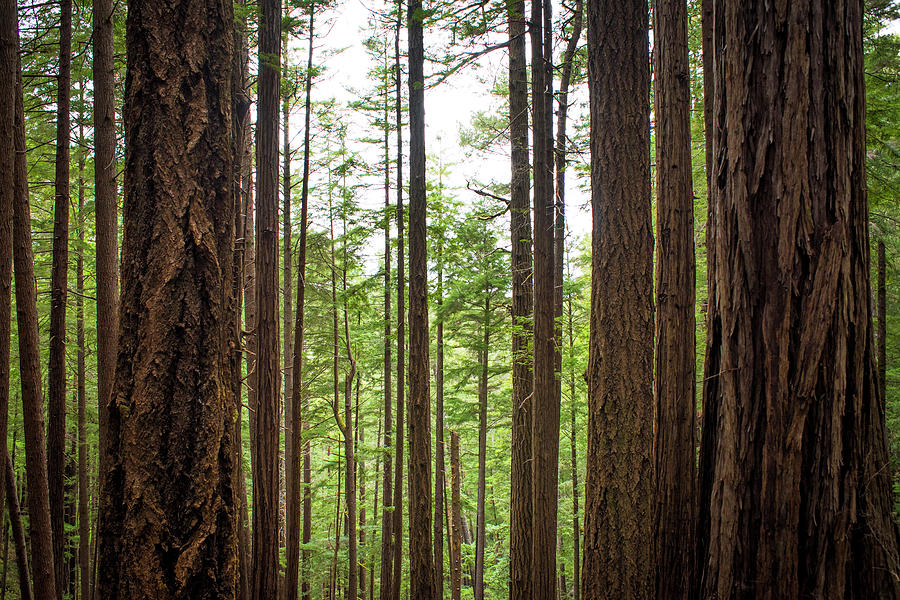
{"x":618,"y":537}
{"x":455,"y":519}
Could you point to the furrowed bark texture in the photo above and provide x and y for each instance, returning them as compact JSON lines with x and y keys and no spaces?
{"x":421,"y":560}
{"x":882,"y":323}
{"x":59,"y":285}
{"x":15,"y":520}
{"x":455,"y":519}
{"x":795,"y":484}
{"x":675,"y":390}
{"x":171,"y":486}
{"x":439,"y":462}
{"x":520,"y":525}
{"x":30,"y":361}
{"x":618,"y":538}
{"x":264,"y":564}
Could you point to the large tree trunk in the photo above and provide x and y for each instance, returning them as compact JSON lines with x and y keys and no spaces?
{"x":675,"y":390}
{"x":482,"y":447}
{"x":545,"y":430}
{"x":265,"y":477}
{"x":170,"y":487}
{"x":397,"y":526}
{"x":296,"y":390}
{"x":455,"y":520}
{"x":520,"y":526}
{"x":30,"y":361}
{"x":59,"y":285}
{"x":421,"y":559}
{"x":15,"y":521}
{"x":795,"y":484}
{"x":618,"y":538}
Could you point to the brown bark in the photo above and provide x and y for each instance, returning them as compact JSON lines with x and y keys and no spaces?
{"x":455,"y":520}
{"x":107,"y":235}
{"x":882,"y":324}
{"x":30,"y":363}
{"x":84,"y":524}
{"x":15,"y":521}
{"x":349,"y":436}
{"x":573,"y":432}
{"x":421,"y":559}
{"x":618,"y":538}
{"x":360,"y":438}
{"x":675,"y":389}
{"x":171,"y":486}
{"x":397,"y":526}
{"x":520,"y":527}
{"x":545,"y":430}
{"x":294,"y":430}
{"x":9,"y":56}
{"x":59,"y":285}
{"x":266,"y":479}
{"x":439,"y":463}
{"x":795,"y":481}
{"x":482,"y":446}
{"x":387,"y":563}
{"x":287,"y":271}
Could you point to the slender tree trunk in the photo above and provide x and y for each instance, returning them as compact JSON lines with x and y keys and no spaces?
{"x":618,"y":543}
{"x":675,"y":389}
{"x":385,"y":576}
{"x":421,"y":558}
{"x":3,"y":577}
{"x":482,"y":447}
{"x":107,"y":236}
{"x":9,"y":57}
{"x":520,"y":535}
{"x":455,"y":520}
{"x":794,"y":479}
{"x":360,"y":439}
{"x":15,"y":520}
{"x":882,"y":323}
{"x":296,"y":390}
{"x":170,"y":422}
{"x":287,"y":310}
{"x":397,"y":551}
{"x":30,"y":364}
{"x":375,"y":500}
{"x":59,"y":285}
{"x":439,"y":463}
{"x":545,"y":430}
{"x":265,"y":480}
{"x":576,"y":527}
{"x":84,"y":521}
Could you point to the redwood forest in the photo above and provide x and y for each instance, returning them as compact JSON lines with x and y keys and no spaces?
{"x":430,"y":300}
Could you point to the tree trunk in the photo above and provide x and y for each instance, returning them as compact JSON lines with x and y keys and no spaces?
{"x":59,"y":285}
{"x":576,"y":528}
{"x":15,"y":521}
{"x":882,"y":324}
{"x":482,"y":447}
{"x":618,"y":542}
{"x":265,"y":479}
{"x":30,"y":363}
{"x":545,"y":431}
{"x":9,"y":57}
{"x":421,"y":559}
{"x":439,"y":463}
{"x":455,"y":520}
{"x":84,"y":520}
{"x":170,"y":486}
{"x":397,"y":526}
{"x":675,"y":389}
{"x":360,"y":439}
{"x":794,"y":479}
{"x":296,"y":390}
{"x":520,"y":527}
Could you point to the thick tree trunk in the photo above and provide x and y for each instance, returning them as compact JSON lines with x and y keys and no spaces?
{"x":794,"y":482}
{"x":421,"y":559}
{"x":455,"y":520}
{"x":266,"y":478}
{"x":170,"y":487}
{"x":296,"y":391}
{"x":545,"y":430}
{"x":30,"y":363}
{"x":520,"y":527}
{"x":675,"y":389}
{"x":84,"y":520}
{"x":59,"y":285}
{"x":15,"y":521}
{"x":397,"y":526}
{"x":482,"y":447}
{"x":618,"y":539}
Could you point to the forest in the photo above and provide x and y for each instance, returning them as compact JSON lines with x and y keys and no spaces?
{"x":386,"y":299}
